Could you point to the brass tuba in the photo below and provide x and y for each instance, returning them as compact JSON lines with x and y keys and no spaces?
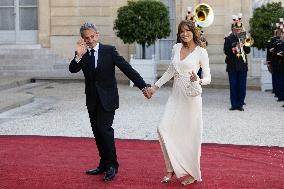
{"x":204,"y":15}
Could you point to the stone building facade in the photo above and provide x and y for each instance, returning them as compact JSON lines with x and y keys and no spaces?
{"x":58,"y":23}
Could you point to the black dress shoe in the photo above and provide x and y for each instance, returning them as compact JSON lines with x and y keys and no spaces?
{"x":233,"y":108}
{"x":241,"y":109}
{"x":110,"y":174}
{"x":98,"y":170}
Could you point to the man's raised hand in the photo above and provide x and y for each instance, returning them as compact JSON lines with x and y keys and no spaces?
{"x":81,"y":47}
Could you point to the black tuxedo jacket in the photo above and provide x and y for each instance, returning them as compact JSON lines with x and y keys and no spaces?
{"x":233,"y":62}
{"x":100,"y":83}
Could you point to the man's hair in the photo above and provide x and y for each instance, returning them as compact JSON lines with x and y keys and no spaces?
{"x":87,"y":26}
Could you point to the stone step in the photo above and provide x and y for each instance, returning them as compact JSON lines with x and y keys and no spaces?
{"x":13,"y":96}
{"x":25,"y":67}
{"x":31,"y":61}
{"x":30,"y":57}
{"x":44,"y":61}
{"x":8,"y":101}
{"x":42,"y":51}
{"x":18,"y":46}
{"x":11,"y":82}
{"x":42,"y":74}
{"x":19,"y":57}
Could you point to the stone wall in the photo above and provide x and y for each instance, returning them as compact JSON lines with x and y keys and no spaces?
{"x":60,"y":20}
{"x":59,"y":23}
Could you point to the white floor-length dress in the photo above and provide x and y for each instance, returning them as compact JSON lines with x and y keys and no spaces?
{"x":180,"y":131}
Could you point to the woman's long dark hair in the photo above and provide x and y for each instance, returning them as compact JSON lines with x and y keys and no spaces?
{"x":195,"y":31}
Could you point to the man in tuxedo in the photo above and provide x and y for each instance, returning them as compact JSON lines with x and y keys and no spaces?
{"x":98,"y":61}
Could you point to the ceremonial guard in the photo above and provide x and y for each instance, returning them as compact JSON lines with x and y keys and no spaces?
{"x":275,"y":60}
{"x":271,"y":60}
{"x":236,"y":47}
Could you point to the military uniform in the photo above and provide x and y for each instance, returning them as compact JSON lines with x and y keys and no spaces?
{"x":237,"y":69}
{"x":272,"y":61}
{"x":279,"y":74}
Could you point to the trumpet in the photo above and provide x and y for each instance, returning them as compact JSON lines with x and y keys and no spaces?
{"x":244,"y":40}
{"x":248,"y":41}
{"x":204,"y":15}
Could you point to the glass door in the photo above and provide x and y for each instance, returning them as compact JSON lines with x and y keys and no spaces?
{"x":18,"y":21}
{"x":7,"y":21}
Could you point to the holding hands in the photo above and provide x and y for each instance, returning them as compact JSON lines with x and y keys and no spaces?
{"x":149,"y":91}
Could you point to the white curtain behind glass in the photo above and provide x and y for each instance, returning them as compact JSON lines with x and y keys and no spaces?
{"x":6,"y":2}
{"x":28,"y":14}
{"x":7,"y":19}
{"x":28,"y":2}
{"x":28,"y":18}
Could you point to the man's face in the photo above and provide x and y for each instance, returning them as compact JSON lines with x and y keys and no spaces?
{"x":91,"y":37}
{"x":237,"y":30}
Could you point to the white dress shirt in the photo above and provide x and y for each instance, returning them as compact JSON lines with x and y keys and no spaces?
{"x":96,"y":48}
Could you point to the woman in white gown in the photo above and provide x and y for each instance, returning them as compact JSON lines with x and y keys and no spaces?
{"x":180,"y":131}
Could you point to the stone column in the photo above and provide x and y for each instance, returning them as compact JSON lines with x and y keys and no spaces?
{"x":44,"y":23}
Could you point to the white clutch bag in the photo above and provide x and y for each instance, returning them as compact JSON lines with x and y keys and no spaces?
{"x":190,"y":88}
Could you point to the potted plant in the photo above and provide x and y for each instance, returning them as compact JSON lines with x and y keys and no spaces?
{"x":261,"y":23}
{"x":143,"y":22}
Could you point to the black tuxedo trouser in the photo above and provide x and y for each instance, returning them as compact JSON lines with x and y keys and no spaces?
{"x":101,"y":123}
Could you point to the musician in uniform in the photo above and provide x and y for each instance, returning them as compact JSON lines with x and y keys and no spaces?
{"x":237,"y":64}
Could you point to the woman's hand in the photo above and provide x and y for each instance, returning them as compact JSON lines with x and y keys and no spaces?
{"x":193,"y":76}
{"x":153,"y":89}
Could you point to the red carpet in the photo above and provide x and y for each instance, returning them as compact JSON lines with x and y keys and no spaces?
{"x":31,"y":162}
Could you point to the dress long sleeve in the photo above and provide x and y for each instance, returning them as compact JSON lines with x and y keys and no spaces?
{"x":180,"y":131}
{"x":166,"y":76}
{"x":204,"y":63}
